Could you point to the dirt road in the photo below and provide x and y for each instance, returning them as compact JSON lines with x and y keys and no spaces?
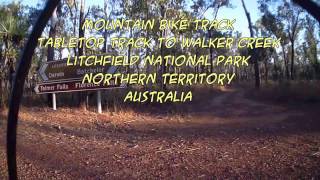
{"x":227,"y":136}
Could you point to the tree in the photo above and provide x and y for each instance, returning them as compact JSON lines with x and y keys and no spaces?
{"x":72,"y":7}
{"x":256,"y":63}
{"x":311,"y":44}
{"x":264,"y":54}
{"x":202,"y":6}
{"x":13,"y":29}
{"x":275,"y":26}
{"x":83,"y":96}
{"x":291,"y":15}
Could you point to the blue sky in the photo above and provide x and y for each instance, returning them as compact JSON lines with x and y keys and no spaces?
{"x":236,"y":12}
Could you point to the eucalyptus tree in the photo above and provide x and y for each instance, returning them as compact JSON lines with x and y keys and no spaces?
{"x":200,"y":8}
{"x":291,"y":14}
{"x":254,"y":54}
{"x":265,"y":55}
{"x":311,"y":44}
{"x":272,"y":22}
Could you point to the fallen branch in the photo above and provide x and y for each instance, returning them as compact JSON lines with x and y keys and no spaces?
{"x":164,"y":150}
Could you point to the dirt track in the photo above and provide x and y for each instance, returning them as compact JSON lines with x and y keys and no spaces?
{"x":242,"y":139}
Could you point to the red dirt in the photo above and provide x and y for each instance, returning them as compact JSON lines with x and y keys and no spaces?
{"x":243,"y":139}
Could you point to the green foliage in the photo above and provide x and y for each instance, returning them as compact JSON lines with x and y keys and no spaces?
{"x":13,"y":22}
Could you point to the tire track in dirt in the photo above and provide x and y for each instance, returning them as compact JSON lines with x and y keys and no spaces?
{"x":231,"y":106}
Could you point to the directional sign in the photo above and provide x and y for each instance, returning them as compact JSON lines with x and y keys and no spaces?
{"x":68,"y":86}
{"x":59,"y":71}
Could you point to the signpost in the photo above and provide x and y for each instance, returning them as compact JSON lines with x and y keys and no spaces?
{"x":70,"y":86}
{"x":58,"y":77}
{"x":59,"y":71}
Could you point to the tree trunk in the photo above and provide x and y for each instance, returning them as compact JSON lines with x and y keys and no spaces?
{"x":210,"y":36}
{"x":163,"y":67}
{"x":266,"y":72}
{"x":50,"y":55}
{"x":292,"y":59}
{"x":256,"y":64}
{"x":148,"y":68}
{"x":82,"y":95}
{"x":105,"y":33}
{"x":211,"y":53}
{"x":286,"y":64}
{"x":81,"y":31}
{"x":129,"y":53}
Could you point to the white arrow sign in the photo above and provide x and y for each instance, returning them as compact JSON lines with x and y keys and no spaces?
{"x":42,"y":73}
